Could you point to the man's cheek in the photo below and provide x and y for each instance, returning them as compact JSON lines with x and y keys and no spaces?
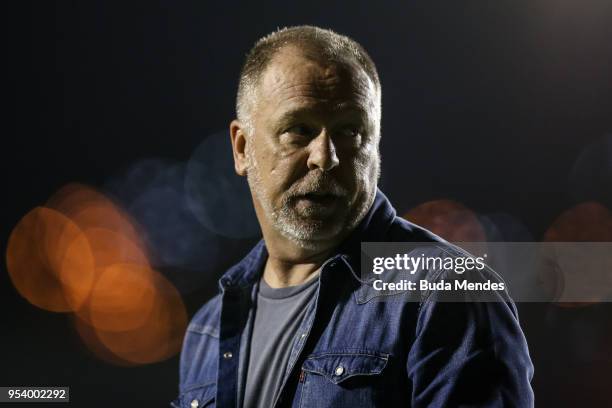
{"x":362,"y":170}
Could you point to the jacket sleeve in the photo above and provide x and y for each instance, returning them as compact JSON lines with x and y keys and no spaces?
{"x":470,"y":354}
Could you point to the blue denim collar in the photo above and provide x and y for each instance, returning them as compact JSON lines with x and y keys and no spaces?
{"x":371,"y":229}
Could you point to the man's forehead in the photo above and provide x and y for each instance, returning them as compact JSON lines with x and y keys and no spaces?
{"x":290,"y":62}
{"x":295,"y":74}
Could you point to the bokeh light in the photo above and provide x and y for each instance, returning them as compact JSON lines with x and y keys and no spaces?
{"x":586,"y":222}
{"x":153,"y":193}
{"x":220,"y":199}
{"x":179,"y":240}
{"x":504,"y":227}
{"x":89,"y":208}
{"x":122,"y":298}
{"x":84,"y":254}
{"x":141,"y":324}
{"x":449,"y":219}
{"x":37,"y":262}
{"x":574,"y":269}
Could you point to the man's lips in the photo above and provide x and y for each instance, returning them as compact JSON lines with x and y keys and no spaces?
{"x":319,"y":198}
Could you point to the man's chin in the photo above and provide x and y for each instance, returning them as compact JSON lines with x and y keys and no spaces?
{"x":315,"y":232}
{"x":317,"y":211}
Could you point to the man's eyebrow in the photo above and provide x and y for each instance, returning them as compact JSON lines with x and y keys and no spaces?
{"x":344,"y":111}
{"x":351,"y":107}
{"x":290,"y":115}
{"x":339,"y":108}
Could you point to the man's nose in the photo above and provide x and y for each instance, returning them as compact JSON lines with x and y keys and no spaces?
{"x":322,"y":153}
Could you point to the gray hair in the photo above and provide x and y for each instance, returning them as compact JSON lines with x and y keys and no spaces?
{"x":327,"y":43}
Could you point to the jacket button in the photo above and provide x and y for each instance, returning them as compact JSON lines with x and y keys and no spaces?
{"x":227,"y":355}
{"x":195,"y":403}
{"x":339,"y":370}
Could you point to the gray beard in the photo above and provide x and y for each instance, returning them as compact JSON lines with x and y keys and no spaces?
{"x":297,"y":226}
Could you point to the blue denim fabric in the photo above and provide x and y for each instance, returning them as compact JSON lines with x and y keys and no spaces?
{"x":352,"y":352}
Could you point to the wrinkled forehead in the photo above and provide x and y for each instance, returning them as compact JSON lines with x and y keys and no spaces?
{"x":306,"y":79}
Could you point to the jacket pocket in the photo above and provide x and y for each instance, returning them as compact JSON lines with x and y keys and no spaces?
{"x":337,"y":367}
{"x":197,"y":396}
{"x":343,"y":379}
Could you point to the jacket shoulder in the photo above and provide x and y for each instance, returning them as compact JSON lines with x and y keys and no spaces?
{"x":402,"y":230}
{"x":206,"y":319}
{"x":199,"y":351}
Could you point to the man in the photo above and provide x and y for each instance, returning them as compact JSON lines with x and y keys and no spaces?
{"x":287,"y":328}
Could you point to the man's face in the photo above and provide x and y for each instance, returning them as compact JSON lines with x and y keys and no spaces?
{"x":312,"y":158}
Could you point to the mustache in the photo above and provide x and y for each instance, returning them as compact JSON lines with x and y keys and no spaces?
{"x":317,"y":183}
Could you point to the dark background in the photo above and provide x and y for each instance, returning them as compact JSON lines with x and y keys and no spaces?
{"x":488,"y":103}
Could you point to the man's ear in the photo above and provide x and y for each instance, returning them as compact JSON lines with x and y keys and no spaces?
{"x":239,"y":141}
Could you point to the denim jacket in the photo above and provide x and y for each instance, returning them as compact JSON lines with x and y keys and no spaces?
{"x":355,"y":352}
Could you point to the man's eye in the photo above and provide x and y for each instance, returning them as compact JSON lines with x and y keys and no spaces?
{"x":349,"y":131}
{"x":301,"y":130}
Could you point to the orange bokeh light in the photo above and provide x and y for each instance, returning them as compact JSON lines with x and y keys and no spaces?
{"x":35,"y":255}
{"x":110,"y":247}
{"x":585,"y":222}
{"x":159,"y":337}
{"x":139,"y":324}
{"x":449,"y":219}
{"x":122,"y":298}
{"x":89,"y":208}
{"x":84,"y":255}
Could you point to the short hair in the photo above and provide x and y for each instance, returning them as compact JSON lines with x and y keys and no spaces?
{"x":327,"y":43}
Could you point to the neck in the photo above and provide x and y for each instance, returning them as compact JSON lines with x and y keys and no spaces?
{"x":289,"y":264}
{"x":280,"y":273}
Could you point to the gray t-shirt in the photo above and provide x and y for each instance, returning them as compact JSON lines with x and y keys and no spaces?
{"x":278,"y":315}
